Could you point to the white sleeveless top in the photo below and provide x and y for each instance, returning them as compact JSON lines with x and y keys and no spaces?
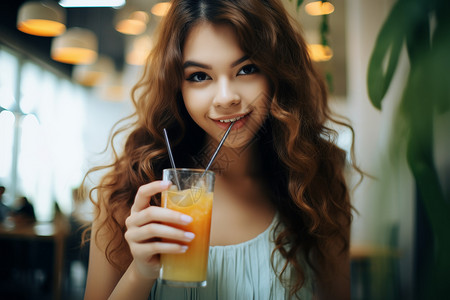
{"x":239,"y":272}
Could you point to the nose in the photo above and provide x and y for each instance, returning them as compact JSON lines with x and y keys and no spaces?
{"x":226,"y":96}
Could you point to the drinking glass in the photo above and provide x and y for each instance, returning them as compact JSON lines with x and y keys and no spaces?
{"x":191,"y":193}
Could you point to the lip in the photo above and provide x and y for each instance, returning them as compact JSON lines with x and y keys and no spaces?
{"x":237,"y":124}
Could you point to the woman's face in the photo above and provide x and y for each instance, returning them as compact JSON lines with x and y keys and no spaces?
{"x":222,"y":84}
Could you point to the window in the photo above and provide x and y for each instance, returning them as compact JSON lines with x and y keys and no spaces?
{"x":8,"y":77}
{"x":30,"y":87}
{"x":42,"y":152}
{"x":7,"y":120}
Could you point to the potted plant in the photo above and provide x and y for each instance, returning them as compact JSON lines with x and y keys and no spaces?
{"x":423,"y":27}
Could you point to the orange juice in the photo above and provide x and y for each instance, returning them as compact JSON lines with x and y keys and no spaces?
{"x":189,"y":268}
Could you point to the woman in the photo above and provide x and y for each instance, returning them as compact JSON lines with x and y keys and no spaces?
{"x":281,"y":214}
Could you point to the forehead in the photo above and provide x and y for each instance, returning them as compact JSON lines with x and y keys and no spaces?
{"x":209,"y":42}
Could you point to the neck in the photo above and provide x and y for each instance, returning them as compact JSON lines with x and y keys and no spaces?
{"x":237,"y":163}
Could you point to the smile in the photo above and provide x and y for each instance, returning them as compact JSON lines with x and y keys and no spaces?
{"x":231,"y":120}
{"x":239,"y":121}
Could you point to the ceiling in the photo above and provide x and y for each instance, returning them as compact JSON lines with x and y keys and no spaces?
{"x":98,"y":19}
{"x":112,"y":43}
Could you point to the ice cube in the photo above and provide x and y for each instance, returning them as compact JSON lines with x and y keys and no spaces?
{"x":182,"y":198}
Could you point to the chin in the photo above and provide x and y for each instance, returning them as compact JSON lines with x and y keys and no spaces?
{"x":239,"y":146}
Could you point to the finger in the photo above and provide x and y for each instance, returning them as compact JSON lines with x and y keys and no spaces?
{"x":156,"y":230}
{"x":157,"y":214}
{"x":144,"y":193}
{"x":147,"y":250}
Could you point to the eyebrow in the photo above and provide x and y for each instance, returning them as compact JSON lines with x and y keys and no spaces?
{"x":190,"y":63}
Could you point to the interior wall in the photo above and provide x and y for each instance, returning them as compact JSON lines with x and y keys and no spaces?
{"x":384,"y":202}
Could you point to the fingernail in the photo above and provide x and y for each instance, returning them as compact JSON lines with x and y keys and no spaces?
{"x":183,"y":249}
{"x":165,"y":183}
{"x":189,"y":235}
{"x":186,"y":219}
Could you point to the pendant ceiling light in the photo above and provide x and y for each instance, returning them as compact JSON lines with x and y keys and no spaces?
{"x":95,"y":73}
{"x":160,"y":9}
{"x":76,"y":46}
{"x":319,"y":8}
{"x":138,"y":50}
{"x":113,"y":88}
{"x":319,"y":52}
{"x":132,"y":22}
{"x":41,"y":18}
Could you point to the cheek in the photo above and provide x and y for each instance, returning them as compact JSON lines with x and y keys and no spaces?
{"x":257,"y":94}
{"x":194,"y":101}
{"x":261,"y":111}
{"x":262,"y":99}
{"x":265,"y":96}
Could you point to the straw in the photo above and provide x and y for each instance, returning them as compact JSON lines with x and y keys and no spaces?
{"x":218,"y":148}
{"x":172,"y":162}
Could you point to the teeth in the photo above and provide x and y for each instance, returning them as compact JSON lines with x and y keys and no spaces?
{"x":231,"y":120}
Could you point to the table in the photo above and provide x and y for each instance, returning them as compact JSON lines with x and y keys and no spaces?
{"x":365,"y":271}
{"x":55,"y":232}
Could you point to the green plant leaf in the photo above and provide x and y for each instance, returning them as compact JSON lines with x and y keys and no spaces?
{"x":427,"y":90}
{"x":439,"y":58}
{"x":388,"y":45}
{"x":324,"y":30}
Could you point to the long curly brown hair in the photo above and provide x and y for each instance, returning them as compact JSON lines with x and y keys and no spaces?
{"x":305,"y":166}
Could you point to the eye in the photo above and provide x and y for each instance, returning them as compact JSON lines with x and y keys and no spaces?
{"x":248,"y":69}
{"x":198,"y":77}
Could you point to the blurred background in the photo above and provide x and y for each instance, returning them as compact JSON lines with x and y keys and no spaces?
{"x":65,"y":81}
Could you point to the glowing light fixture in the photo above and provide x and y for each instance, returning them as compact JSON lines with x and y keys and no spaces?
{"x":132,"y":22}
{"x":75,"y":46}
{"x":95,"y":73}
{"x":160,"y":9}
{"x":139,"y":50}
{"x":320,"y":53}
{"x":113,"y":88}
{"x":318,"y":8}
{"x":41,"y":19}
{"x":92,"y":3}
